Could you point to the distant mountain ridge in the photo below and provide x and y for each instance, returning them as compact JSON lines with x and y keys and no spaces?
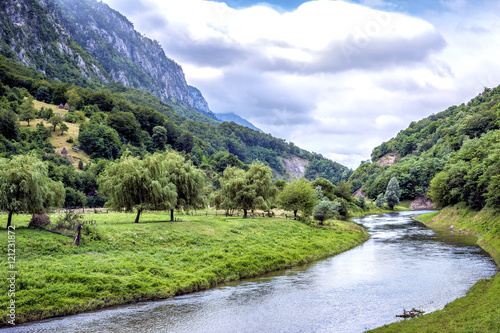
{"x":238,"y":120}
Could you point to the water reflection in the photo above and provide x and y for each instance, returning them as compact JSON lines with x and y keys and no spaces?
{"x":403,"y":265}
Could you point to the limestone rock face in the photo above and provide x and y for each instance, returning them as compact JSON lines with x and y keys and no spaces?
{"x":422,"y":203}
{"x":127,"y":55}
{"x":296,"y":166}
{"x":33,"y":34}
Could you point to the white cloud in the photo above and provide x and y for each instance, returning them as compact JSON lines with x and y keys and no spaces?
{"x":331,"y":75}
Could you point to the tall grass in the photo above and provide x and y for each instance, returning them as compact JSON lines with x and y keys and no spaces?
{"x":125,"y":262}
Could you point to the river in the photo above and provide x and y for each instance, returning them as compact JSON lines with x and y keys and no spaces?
{"x":403,"y":265}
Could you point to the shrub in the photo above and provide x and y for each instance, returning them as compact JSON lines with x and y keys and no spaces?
{"x":39,"y":221}
{"x":69,"y":220}
{"x":325,"y":210}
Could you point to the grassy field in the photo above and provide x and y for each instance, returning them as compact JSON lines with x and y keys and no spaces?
{"x":479,"y":310}
{"x":58,"y":140}
{"x":127,"y":262}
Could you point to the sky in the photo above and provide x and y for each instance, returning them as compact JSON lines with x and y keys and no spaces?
{"x":334,"y":77}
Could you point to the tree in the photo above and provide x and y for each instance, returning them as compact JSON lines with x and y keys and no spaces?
{"x":246,"y":190}
{"x":362,"y":201}
{"x":188,"y":180}
{"x":73,"y":98}
{"x":325,"y":210}
{"x":379,"y":202}
{"x":55,"y":120}
{"x":132,"y":183}
{"x":160,"y":137}
{"x":393,"y":193}
{"x":126,"y":125}
{"x":326,"y":187}
{"x":298,"y":196}
{"x":26,"y":186}
{"x":27,"y":110}
{"x":99,"y":141}
{"x":9,"y":126}
{"x":64,"y":128}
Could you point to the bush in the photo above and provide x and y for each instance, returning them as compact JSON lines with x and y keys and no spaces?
{"x":71,"y":117}
{"x":70,"y":140}
{"x":69,"y":220}
{"x":325,"y":210}
{"x":39,"y":221}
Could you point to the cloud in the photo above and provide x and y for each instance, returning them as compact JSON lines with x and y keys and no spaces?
{"x":334,"y":77}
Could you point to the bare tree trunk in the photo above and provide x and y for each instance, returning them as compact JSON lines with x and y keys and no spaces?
{"x":171,"y":215}
{"x":9,"y":219}
{"x":295,"y":213}
{"x":137,"y":217}
{"x":244,"y":213}
{"x":79,"y":235}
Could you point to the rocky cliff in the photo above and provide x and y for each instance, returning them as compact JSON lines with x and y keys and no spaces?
{"x":128,"y":56}
{"x":295,"y":166}
{"x":199,"y":103}
{"x":31,"y":33}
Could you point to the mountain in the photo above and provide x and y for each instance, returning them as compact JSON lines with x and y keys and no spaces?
{"x":199,"y":103}
{"x":84,"y":51}
{"x":452,"y":156}
{"x":237,"y":119}
{"x":32,"y":34}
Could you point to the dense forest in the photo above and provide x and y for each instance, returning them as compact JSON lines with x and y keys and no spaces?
{"x":451,"y":156}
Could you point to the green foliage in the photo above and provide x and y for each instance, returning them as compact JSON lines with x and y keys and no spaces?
{"x":393,"y":193}
{"x":99,"y":141}
{"x":132,"y":183}
{"x":332,"y":171}
{"x":160,"y":137}
{"x":26,"y":187}
{"x":299,"y":195}
{"x":9,"y":126}
{"x":189,"y":182}
{"x":380,"y":201}
{"x":450,"y":148}
{"x":246,"y":190}
{"x":126,"y":125}
{"x":45,"y":113}
{"x":26,"y":110}
{"x":55,"y":121}
{"x":325,"y":210}
{"x":362,"y":201}
{"x":326,"y":186}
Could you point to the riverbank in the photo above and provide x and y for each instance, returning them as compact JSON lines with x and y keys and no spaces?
{"x":128,"y":262}
{"x":478,"y":311}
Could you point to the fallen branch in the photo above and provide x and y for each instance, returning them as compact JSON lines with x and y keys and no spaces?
{"x":413,"y":313}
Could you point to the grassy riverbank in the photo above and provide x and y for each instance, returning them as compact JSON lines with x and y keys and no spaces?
{"x":153,"y":260}
{"x":478,"y":311}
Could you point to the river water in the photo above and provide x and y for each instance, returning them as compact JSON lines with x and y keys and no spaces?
{"x":403,"y":265}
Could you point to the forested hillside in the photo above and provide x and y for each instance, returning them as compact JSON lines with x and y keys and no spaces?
{"x":115,"y":118}
{"x":452,"y":156}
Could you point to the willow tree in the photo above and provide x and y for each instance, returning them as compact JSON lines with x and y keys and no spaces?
{"x":246,"y":190}
{"x":189,"y":182}
{"x":132,"y":183}
{"x":299,"y":195}
{"x":26,"y":187}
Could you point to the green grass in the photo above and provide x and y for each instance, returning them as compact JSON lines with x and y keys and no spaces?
{"x":479,"y":310}
{"x":153,"y":260}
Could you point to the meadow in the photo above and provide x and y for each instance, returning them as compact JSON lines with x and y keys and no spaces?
{"x":123,"y":262}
